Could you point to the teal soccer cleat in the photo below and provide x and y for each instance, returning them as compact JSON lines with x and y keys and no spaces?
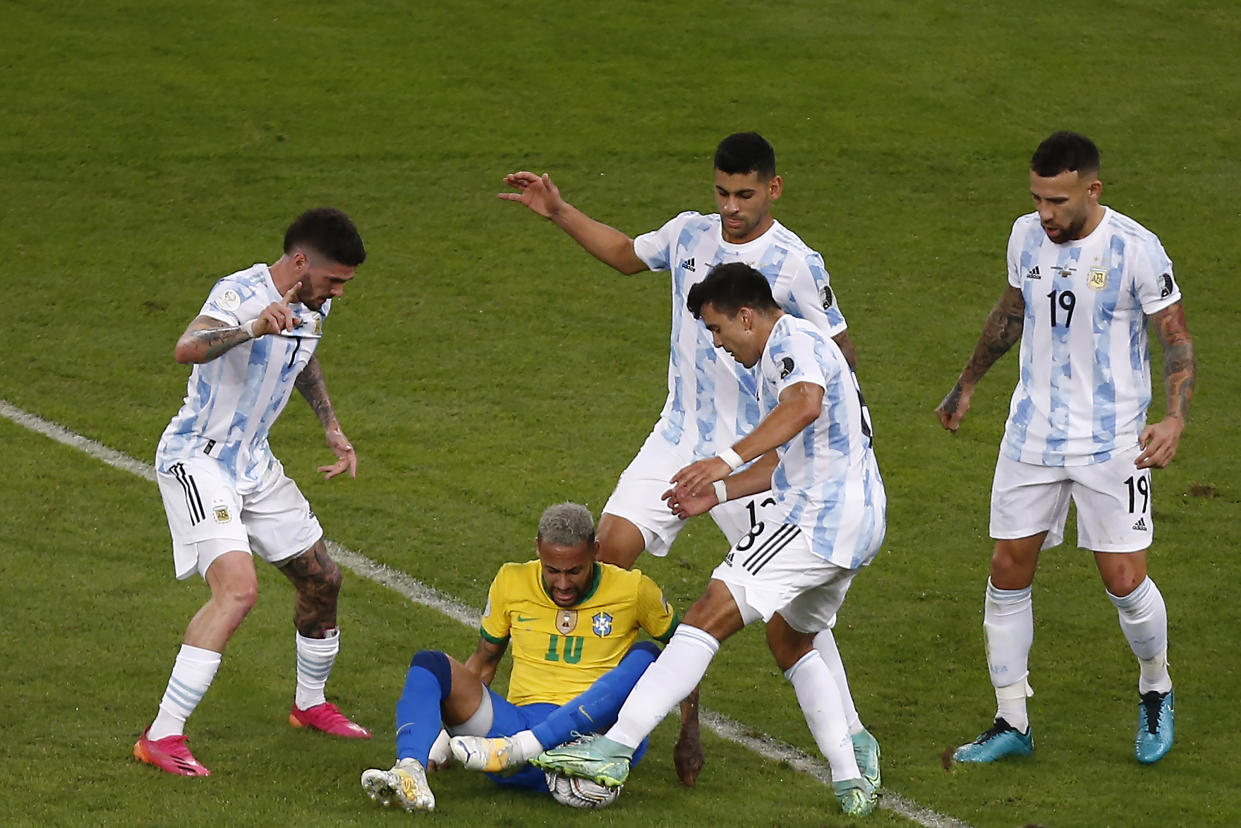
{"x":855,"y":796}
{"x":1154,"y":726}
{"x":866,"y":751}
{"x":1001,"y":740}
{"x":597,"y":758}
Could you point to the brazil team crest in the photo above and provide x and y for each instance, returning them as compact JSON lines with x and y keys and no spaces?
{"x":601,"y":624}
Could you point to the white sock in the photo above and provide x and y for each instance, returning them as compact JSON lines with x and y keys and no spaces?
{"x":677,"y":671}
{"x":1008,"y":624}
{"x":825,"y":643}
{"x":820,"y":704}
{"x":192,"y":674}
{"x":1144,"y":621}
{"x":526,"y":746}
{"x":315,"y":657}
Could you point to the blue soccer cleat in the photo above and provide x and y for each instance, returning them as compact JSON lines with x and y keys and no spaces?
{"x":866,"y":752}
{"x":1154,"y":726}
{"x":1001,"y":740}
{"x":597,"y":758}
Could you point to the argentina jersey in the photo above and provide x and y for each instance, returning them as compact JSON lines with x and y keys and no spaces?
{"x":827,"y":481}
{"x":1084,"y":382}
{"x":232,"y":401}
{"x":712,"y":400}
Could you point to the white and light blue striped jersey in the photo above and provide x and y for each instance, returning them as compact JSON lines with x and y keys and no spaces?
{"x":712,"y":400}
{"x":827,"y":481}
{"x":1084,"y":383}
{"x":232,"y":401}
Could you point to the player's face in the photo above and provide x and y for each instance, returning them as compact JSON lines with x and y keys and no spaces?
{"x":734,"y":334}
{"x":567,"y":570}
{"x":744,"y":201}
{"x":321,"y":278}
{"x":1066,"y":203}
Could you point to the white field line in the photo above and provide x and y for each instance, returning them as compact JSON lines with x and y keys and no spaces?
{"x":419,"y":593}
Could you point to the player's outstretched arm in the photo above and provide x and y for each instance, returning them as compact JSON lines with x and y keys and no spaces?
{"x":207,"y":338}
{"x":1160,"y":440}
{"x":311,"y":385}
{"x":605,"y":243}
{"x":1000,"y":332}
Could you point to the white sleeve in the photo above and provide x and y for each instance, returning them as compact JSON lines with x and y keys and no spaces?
{"x":655,"y":248}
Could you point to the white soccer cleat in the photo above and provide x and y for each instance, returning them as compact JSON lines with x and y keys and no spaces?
{"x":479,"y":753}
{"x":405,"y":785}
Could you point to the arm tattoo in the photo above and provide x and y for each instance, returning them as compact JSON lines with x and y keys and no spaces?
{"x":310,"y":383}
{"x":1000,"y":332}
{"x":210,"y":337}
{"x":1178,"y":358}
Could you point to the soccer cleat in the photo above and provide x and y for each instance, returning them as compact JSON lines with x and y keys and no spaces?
{"x":328,"y":718}
{"x":1154,"y":726}
{"x":866,"y":752}
{"x":168,"y":754}
{"x":405,"y":785}
{"x":482,"y":754}
{"x":597,"y":758}
{"x":1001,"y":740}
{"x":855,"y":796}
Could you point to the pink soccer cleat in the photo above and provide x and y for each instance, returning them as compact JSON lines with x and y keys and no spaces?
{"x":328,"y":718}
{"x":169,"y":754}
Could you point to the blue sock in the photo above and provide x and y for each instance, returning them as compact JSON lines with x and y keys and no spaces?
{"x":596,"y":708}
{"x":418,"y":717}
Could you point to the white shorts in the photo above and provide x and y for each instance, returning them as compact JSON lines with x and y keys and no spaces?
{"x":772,"y":570}
{"x":1113,"y":501}
{"x":638,"y":498}
{"x":207,"y":517}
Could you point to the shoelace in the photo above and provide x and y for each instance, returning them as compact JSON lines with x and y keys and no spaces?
{"x":999,"y":727}
{"x":1151,"y":703}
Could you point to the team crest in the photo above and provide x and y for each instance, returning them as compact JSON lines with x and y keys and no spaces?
{"x":221,"y":514}
{"x":1098,"y":278}
{"x":601,"y":623}
{"x":566,"y":621}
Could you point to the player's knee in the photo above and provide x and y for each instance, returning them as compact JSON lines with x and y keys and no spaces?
{"x":437,"y":664}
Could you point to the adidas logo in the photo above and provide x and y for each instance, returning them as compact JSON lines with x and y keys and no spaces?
{"x":688,"y":264}
{"x":1033,"y":273}
{"x":1140,"y":526}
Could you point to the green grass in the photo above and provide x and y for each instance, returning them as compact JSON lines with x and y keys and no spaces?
{"x":485,"y":366}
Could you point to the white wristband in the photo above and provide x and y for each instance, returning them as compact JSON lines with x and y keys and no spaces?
{"x":721,"y":491}
{"x":732,"y":458}
{"x":248,"y":327}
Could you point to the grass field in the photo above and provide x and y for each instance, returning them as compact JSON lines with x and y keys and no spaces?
{"x":486,"y":367}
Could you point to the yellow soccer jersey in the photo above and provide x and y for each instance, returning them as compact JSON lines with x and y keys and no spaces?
{"x":558,"y":652}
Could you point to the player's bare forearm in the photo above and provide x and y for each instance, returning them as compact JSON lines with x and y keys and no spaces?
{"x":312,"y":386}
{"x":1000,"y":332}
{"x":207,"y":338}
{"x":485,"y":659}
{"x":604,"y":242}
{"x":1179,"y":371}
{"x":800,"y":405}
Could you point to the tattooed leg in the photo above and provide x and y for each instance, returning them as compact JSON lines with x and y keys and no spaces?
{"x":316,"y":577}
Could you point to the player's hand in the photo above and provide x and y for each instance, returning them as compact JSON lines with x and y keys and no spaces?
{"x":277,"y":316}
{"x":952,"y":410}
{"x":697,"y":477}
{"x":685,"y":505}
{"x":535,"y":191}
{"x":346,"y":459}
{"x":1159,"y":442}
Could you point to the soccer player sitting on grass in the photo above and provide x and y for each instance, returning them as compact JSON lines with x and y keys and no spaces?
{"x":793,"y":569}
{"x":573,"y":624}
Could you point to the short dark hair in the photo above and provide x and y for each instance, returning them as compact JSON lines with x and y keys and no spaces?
{"x":329,"y":232}
{"x":731,"y":287}
{"x":1063,"y":151}
{"x":746,"y":152}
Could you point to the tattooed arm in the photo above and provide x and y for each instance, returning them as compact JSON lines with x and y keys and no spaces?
{"x":1000,"y":332}
{"x":1159,"y":440}
{"x":311,"y":385}
{"x":206,"y":338}
{"x":485,"y":658}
